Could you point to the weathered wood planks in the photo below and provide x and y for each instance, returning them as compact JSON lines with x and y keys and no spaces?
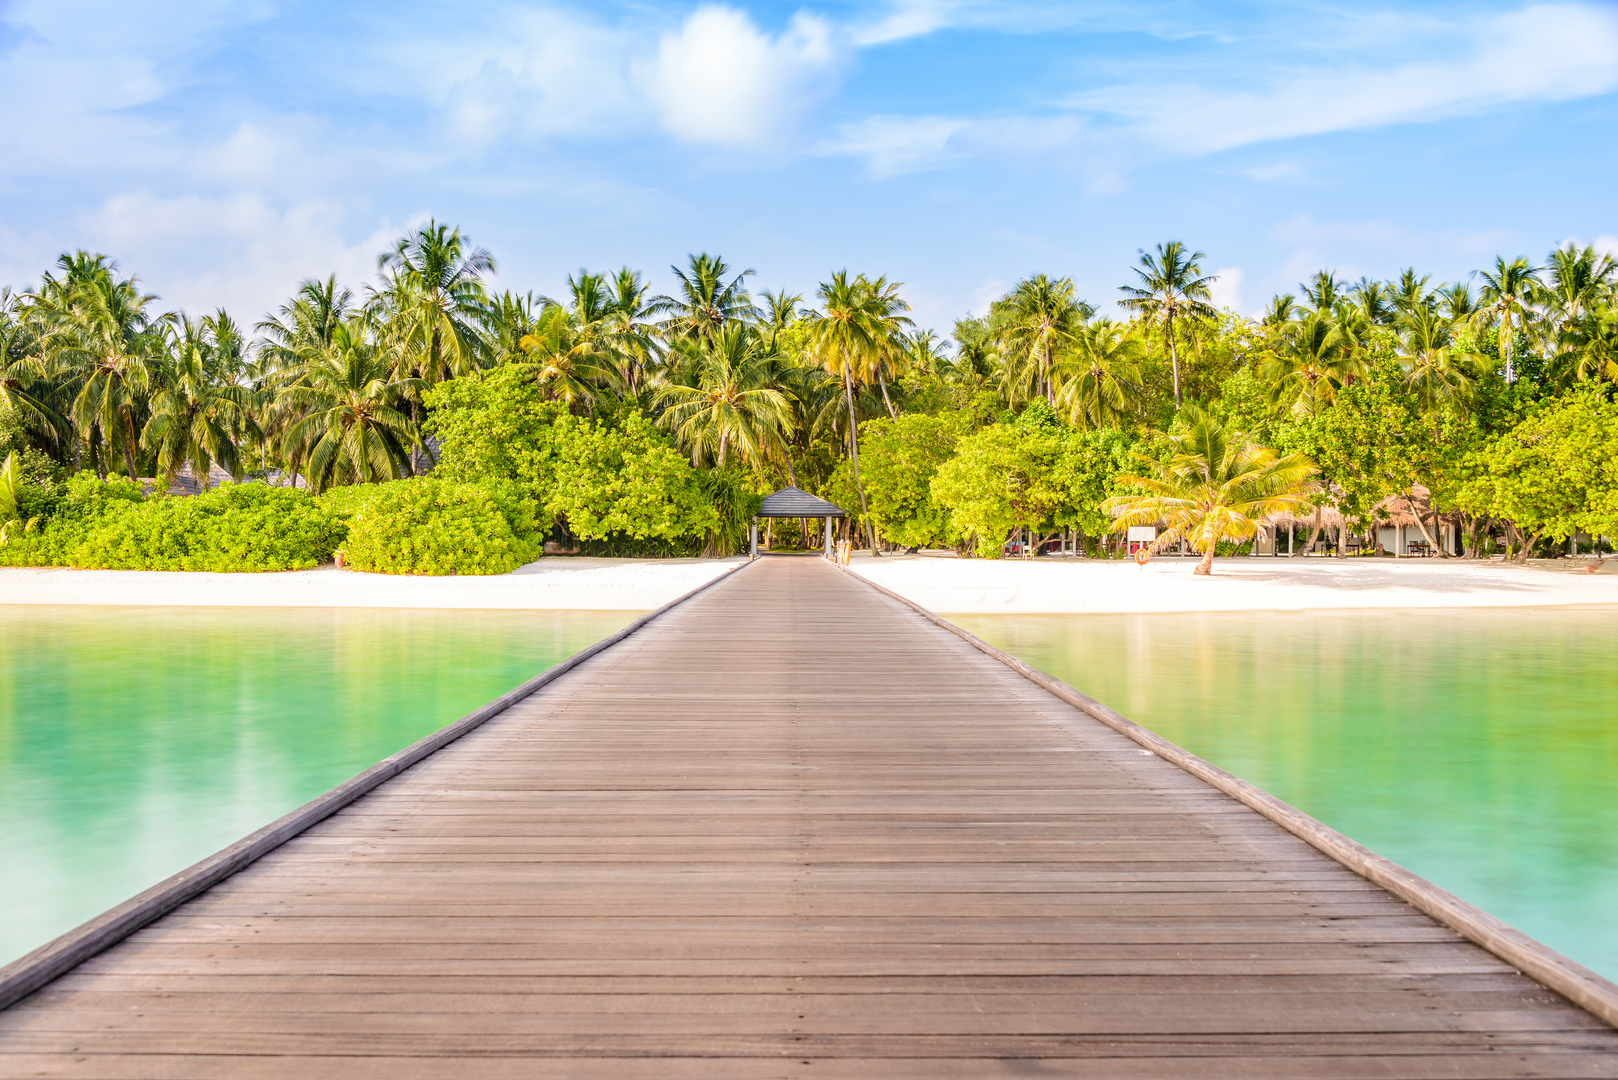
{"x":792,"y":829}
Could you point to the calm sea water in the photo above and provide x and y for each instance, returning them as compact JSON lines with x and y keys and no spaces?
{"x":1477,"y":748}
{"x":135,"y":741}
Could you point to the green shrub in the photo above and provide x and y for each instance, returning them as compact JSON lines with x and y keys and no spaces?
{"x":431,"y":526}
{"x":109,"y":525}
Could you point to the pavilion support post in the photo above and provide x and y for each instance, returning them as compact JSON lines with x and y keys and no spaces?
{"x":828,"y":537}
{"x":752,"y":540}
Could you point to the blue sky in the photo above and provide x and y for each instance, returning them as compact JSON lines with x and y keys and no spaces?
{"x":225,"y":150}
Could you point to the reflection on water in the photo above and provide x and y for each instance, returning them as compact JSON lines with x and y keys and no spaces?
{"x":135,"y":741}
{"x":1477,"y":748}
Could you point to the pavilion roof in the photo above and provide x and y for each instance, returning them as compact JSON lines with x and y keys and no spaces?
{"x":791,"y":502}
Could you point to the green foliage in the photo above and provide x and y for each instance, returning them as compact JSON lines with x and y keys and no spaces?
{"x":1359,"y":443}
{"x":1554,"y":472}
{"x":898,"y":459}
{"x":1214,"y":486}
{"x":1088,"y":470}
{"x":734,"y":503}
{"x":108,"y":525}
{"x":428,"y":525}
{"x":597,"y":478}
{"x":624,"y":480}
{"x":494,"y":425}
{"x":1002,"y":478}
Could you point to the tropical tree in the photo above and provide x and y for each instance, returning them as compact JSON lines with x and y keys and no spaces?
{"x":1099,"y":375}
{"x":733,"y":402}
{"x":1434,"y":372}
{"x":705,"y":300}
{"x":1172,"y":286}
{"x":433,"y":304}
{"x":197,"y":405}
{"x":1309,"y":364}
{"x":1215,"y":485}
{"x":1509,"y":291}
{"x":347,"y":397}
{"x":568,"y":364}
{"x":857,"y":322}
{"x":12,"y":483}
{"x":631,"y":336}
{"x":104,"y":331}
{"x":1037,"y":320}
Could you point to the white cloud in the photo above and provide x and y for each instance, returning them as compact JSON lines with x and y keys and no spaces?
{"x":1551,"y":52}
{"x":528,"y":72}
{"x":898,"y":144}
{"x":1226,"y":288}
{"x":720,"y":79}
{"x":909,"y":18}
{"x":1606,"y":244}
{"x":990,"y":290}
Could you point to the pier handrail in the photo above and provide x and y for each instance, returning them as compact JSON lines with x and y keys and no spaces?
{"x":1533,"y":958}
{"x":55,"y":958}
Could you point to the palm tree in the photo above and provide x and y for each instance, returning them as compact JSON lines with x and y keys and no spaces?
{"x":977,"y":355}
{"x":1037,"y":320}
{"x":1374,"y":301}
{"x":308,"y":321}
{"x":12,"y":483}
{"x":1100,"y":375}
{"x":631,"y":335}
{"x":107,"y":335}
{"x":706,"y":300}
{"x":30,"y":385}
{"x":1456,"y":302}
{"x":1323,"y":292}
{"x":510,"y":319}
{"x":1592,"y":344}
{"x":1434,"y":373}
{"x":1282,"y":309}
{"x":858,"y":320}
{"x":1510,"y":290}
{"x":568,"y":364}
{"x":433,"y":303}
{"x":1311,"y":362}
{"x":734,"y":402}
{"x":1216,"y":486}
{"x":1411,"y":293}
{"x":197,"y":405}
{"x":892,"y":358}
{"x":779,"y":311}
{"x":1576,"y":280}
{"x":1172,"y":286}
{"x":350,"y":428}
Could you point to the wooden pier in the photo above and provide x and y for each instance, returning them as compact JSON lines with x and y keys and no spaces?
{"x":791,"y":828}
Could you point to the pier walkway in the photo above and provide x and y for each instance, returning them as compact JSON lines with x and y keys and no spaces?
{"x":793,"y":829}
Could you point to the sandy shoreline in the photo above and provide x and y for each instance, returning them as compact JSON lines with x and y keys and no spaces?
{"x":962,"y":586}
{"x":1054,"y":586}
{"x":555,"y":583}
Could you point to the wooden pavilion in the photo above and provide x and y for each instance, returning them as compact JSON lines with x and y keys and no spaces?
{"x":792,"y":502}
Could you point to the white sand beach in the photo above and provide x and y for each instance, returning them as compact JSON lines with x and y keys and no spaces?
{"x":564,"y":582}
{"x":946,"y":585}
{"x":1055,"y":586}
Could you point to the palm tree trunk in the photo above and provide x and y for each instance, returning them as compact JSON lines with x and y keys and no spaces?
{"x":129,"y":441}
{"x":1314,"y":532}
{"x":883,"y":383}
{"x":1205,"y":567}
{"x":723,"y":438}
{"x":854,"y":457}
{"x":1174,"y":359}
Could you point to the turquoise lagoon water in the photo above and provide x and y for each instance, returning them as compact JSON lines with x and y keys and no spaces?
{"x":135,"y":741}
{"x":1477,"y":748}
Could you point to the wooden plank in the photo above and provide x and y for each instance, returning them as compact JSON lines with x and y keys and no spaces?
{"x":793,"y":829}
